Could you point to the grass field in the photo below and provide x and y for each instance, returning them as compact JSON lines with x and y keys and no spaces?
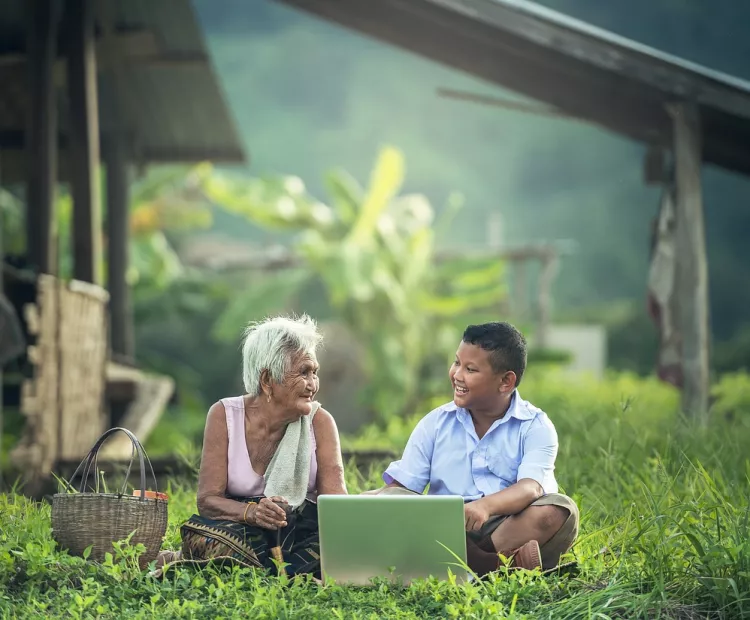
{"x":664,"y":531}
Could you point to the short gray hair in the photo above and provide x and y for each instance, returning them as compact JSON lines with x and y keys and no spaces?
{"x":270,"y":345}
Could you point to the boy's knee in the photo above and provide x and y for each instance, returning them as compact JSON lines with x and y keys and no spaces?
{"x":548,"y":518}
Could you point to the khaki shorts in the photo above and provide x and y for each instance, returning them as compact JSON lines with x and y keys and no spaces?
{"x":560,"y":542}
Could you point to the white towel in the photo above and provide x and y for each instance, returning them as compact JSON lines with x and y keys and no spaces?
{"x":289,"y":470}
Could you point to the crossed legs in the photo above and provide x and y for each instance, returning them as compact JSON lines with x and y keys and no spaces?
{"x":537,"y":535}
{"x":538,"y":523}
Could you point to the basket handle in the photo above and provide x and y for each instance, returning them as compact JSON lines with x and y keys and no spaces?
{"x":91,"y":459}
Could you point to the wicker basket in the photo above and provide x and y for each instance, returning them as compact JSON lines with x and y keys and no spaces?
{"x":82,"y":519}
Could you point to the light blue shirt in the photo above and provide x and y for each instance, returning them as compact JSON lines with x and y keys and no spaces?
{"x":445,"y":452}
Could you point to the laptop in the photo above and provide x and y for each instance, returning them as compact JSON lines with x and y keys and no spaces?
{"x":399,"y":538}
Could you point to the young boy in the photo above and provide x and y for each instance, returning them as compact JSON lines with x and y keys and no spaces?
{"x":497,"y":451}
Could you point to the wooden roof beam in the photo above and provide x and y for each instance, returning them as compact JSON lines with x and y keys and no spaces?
{"x":138,"y":47}
{"x":604,"y":79}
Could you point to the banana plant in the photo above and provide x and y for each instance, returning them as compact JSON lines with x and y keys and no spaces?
{"x":375,"y":252}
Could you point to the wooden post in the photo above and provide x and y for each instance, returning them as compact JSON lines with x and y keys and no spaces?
{"x":495,"y":230}
{"x":520,"y":290}
{"x":2,"y":403}
{"x":691,"y":287}
{"x":84,"y":141}
{"x":544,"y":298}
{"x":41,"y":136}
{"x":495,"y":243}
{"x":118,"y":199}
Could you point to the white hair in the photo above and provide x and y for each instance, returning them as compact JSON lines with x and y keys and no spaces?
{"x":271,"y":344}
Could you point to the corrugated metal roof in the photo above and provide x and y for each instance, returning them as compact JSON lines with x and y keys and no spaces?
{"x":542,"y":13}
{"x":177,"y":108}
{"x":170,"y":106}
{"x":174,"y":19}
{"x":602,"y":48}
{"x":581,"y":70}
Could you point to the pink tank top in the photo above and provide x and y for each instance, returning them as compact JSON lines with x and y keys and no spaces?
{"x":242,"y":479}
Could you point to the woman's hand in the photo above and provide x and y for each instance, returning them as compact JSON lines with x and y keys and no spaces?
{"x":268,"y":514}
{"x":476,"y":514}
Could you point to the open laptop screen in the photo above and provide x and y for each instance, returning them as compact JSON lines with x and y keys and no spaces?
{"x":396,"y":537}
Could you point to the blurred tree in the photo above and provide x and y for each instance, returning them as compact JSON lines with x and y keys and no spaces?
{"x":374,"y":250}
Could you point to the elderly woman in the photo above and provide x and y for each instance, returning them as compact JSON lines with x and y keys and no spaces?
{"x":496,"y":450}
{"x":267,"y":455}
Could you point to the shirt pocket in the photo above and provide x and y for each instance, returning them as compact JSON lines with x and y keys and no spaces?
{"x":504,"y":467}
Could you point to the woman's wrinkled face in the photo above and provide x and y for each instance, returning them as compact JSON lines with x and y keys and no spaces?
{"x":475,"y":383}
{"x":300,"y":385}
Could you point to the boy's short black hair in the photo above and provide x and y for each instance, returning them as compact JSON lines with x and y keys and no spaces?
{"x":505,"y":344}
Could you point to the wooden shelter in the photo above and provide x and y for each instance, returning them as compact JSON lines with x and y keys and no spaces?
{"x":671,"y":105}
{"x":90,"y":85}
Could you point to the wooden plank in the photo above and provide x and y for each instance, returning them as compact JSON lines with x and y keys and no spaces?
{"x":31,"y":314}
{"x":116,"y":47}
{"x":152,"y":395}
{"x":41,"y":143}
{"x":623,"y":58}
{"x":118,"y":199}
{"x":544,"y":299}
{"x":37,"y":451}
{"x":84,"y":141}
{"x":127,"y":53}
{"x":63,"y":400}
{"x":279,"y":258}
{"x":503,"y":103}
{"x":92,"y":290}
{"x":692,"y":266}
{"x":122,"y":391}
{"x":176,"y":154}
{"x":520,"y":290}
{"x":83,"y":355}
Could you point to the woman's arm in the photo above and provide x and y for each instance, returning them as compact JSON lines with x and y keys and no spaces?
{"x":212,"y":478}
{"x":330,"y":479}
{"x":212,"y":481}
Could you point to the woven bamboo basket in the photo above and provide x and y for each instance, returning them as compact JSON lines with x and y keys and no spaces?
{"x":82,"y":519}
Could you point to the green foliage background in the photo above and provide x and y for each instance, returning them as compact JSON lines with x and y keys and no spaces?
{"x":308,"y":96}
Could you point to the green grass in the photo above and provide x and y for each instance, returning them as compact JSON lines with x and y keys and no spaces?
{"x":664,"y":530}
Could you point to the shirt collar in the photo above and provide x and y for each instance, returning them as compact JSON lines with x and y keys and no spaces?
{"x":518,"y":409}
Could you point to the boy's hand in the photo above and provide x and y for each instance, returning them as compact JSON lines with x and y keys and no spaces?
{"x":372,"y":491}
{"x":475,"y":515}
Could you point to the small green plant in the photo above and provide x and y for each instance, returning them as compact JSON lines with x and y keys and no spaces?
{"x":63,"y":485}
